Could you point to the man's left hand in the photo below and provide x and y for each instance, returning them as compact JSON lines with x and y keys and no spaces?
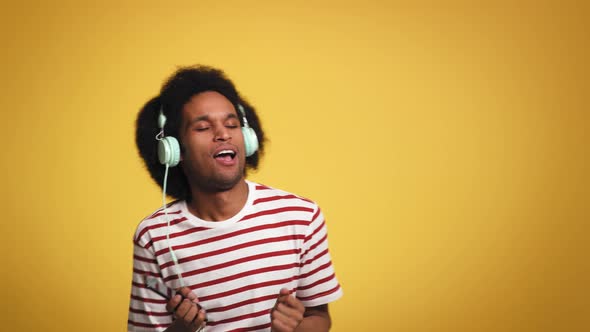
{"x":287,"y":313}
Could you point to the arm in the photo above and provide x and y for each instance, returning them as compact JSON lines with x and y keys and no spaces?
{"x":317,"y":279}
{"x":315,"y":319}
{"x":289,"y":315}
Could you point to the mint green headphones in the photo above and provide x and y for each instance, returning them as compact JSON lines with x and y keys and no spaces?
{"x":250,"y":138}
{"x":169,"y":149}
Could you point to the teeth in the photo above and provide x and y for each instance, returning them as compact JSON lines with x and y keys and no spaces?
{"x":225,"y":152}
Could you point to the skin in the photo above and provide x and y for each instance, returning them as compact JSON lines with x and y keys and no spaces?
{"x":219,"y":190}
{"x":187,"y":315}
{"x":210,"y":122}
{"x":289,"y":314}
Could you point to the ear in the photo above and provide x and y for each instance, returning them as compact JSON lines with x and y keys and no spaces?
{"x":181,"y":148}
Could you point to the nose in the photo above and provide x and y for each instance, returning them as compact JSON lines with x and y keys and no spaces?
{"x":222,"y":134}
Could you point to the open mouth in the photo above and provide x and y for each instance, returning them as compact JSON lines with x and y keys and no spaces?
{"x":225,"y":155}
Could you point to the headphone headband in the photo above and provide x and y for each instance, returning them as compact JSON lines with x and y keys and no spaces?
{"x":161,"y":119}
{"x":243,"y":113}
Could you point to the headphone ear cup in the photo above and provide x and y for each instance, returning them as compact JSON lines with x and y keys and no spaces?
{"x":250,"y":140}
{"x":169,"y":151}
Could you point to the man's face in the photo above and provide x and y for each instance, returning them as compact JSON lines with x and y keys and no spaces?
{"x":213,"y":157}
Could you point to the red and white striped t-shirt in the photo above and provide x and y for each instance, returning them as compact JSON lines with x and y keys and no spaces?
{"x":237,"y":266}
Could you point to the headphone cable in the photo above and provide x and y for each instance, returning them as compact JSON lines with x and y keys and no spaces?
{"x":172,"y":254}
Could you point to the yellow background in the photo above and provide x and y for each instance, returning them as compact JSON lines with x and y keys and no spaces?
{"x":447,"y":145}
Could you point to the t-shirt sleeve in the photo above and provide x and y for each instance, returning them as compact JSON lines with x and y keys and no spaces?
{"x":317,"y":283}
{"x":147,"y":309}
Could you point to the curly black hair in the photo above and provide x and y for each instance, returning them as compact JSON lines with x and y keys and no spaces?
{"x":185,"y":83}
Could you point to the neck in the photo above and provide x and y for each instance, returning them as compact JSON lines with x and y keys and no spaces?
{"x":218,"y":206}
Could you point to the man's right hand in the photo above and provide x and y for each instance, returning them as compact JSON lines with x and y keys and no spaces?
{"x":186,"y":310}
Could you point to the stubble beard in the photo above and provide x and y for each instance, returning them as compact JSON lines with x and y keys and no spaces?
{"x":215,"y":182}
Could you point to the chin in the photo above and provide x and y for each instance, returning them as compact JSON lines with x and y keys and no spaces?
{"x":220,"y":183}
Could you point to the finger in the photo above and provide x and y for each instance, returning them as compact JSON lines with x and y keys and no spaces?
{"x":200,"y":320}
{"x":283,"y":295}
{"x":174,"y":302}
{"x":278,"y":326}
{"x":188,"y":293}
{"x":183,"y":309}
{"x":291,"y":313}
{"x":191,"y":314}
{"x":293,"y":302}
{"x":281,"y":322}
{"x":284,"y":291}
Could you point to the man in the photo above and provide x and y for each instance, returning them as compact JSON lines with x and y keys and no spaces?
{"x":228,"y":254}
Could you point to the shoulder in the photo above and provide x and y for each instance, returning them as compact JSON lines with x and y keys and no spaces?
{"x":266,"y":197}
{"x":155,"y":221}
{"x":264,"y":193}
